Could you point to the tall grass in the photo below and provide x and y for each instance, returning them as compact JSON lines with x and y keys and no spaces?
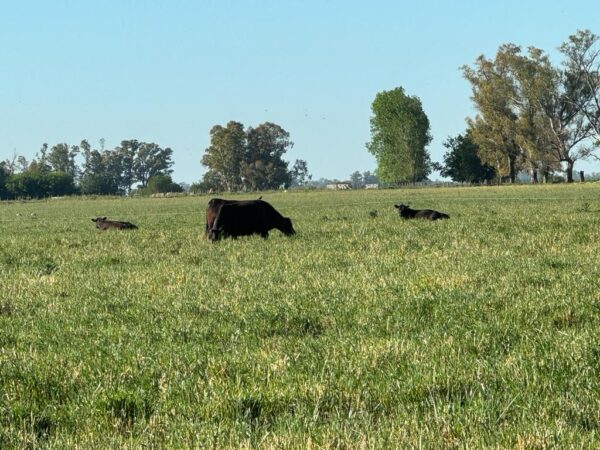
{"x":480,"y":331}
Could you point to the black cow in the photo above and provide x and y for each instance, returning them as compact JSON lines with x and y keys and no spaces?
{"x":212,"y":210}
{"x":407,"y":213}
{"x":244,"y":218}
{"x":103,"y":224}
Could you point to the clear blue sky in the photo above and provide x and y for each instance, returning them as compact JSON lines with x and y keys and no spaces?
{"x":167,"y":71}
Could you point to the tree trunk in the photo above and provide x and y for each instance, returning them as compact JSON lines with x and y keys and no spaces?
{"x":545,"y":175}
{"x":511,"y":169}
{"x":570,"y":165}
{"x":534,"y":176}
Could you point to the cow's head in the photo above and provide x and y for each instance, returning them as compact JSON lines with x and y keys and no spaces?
{"x":287,"y":227}
{"x":99,"y":219}
{"x":214,"y":234}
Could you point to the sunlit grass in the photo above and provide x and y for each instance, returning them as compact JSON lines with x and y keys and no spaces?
{"x":477,"y":331}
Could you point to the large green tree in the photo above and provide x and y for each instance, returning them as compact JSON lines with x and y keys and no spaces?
{"x":299,"y":173}
{"x":462,"y":163}
{"x":262,"y":166}
{"x":251,"y":158}
{"x":494,"y":129}
{"x":150,"y":160}
{"x":114,"y":171}
{"x":562,"y":110}
{"x":399,"y":137}
{"x":225,"y":154}
{"x":212,"y":181}
{"x":531,"y":114}
{"x":127,"y":152}
{"x":160,"y":184}
{"x":61,"y":158}
{"x":582,"y":53}
{"x":4,"y":176}
{"x":356,"y":180}
{"x":96,"y":178}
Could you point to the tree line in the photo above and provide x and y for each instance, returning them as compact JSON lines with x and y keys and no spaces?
{"x":531,"y":116}
{"x":80,"y":169}
{"x":240,"y":158}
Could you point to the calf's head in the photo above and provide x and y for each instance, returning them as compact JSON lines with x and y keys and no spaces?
{"x":401,"y":208}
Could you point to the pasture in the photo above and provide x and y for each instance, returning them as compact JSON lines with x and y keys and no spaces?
{"x":361,"y":331}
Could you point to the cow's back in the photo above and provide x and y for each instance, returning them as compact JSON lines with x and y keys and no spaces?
{"x":430,"y":214}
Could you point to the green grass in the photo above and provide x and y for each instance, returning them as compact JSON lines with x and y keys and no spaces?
{"x":480,"y":331}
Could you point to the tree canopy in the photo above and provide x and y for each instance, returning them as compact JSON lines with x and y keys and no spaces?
{"x":249,"y":158}
{"x":160,"y":184}
{"x":54,"y":171}
{"x":300,"y":175}
{"x":399,"y":137}
{"x":462,"y":162}
{"x":531,"y":114}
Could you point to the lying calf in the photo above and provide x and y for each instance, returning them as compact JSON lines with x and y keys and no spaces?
{"x":407,"y":213}
{"x":103,"y":224}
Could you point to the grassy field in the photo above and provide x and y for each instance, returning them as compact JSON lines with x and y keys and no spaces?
{"x":358,"y":332}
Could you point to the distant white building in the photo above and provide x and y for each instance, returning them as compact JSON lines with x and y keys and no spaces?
{"x":372,"y":186}
{"x":337,"y":186}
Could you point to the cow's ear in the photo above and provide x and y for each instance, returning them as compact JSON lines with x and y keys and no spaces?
{"x":94,"y":220}
{"x":397,"y":206}
{"x":104,"y":218}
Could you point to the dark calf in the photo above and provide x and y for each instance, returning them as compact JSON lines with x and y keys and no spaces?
{"x":407,"y":213}
{"x":103,"y":224}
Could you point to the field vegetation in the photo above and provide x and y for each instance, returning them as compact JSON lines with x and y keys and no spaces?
{"x":361,"y":331}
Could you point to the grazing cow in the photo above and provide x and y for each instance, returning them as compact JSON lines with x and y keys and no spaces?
{"x":244,"y":218}
{"x":407,"y":213}
{"x":212,"y":210}
{"x":103,"y":224}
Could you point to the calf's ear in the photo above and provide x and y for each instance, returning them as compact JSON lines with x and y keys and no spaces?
{"x":397,"y":206}
{"x":94,"y":220}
